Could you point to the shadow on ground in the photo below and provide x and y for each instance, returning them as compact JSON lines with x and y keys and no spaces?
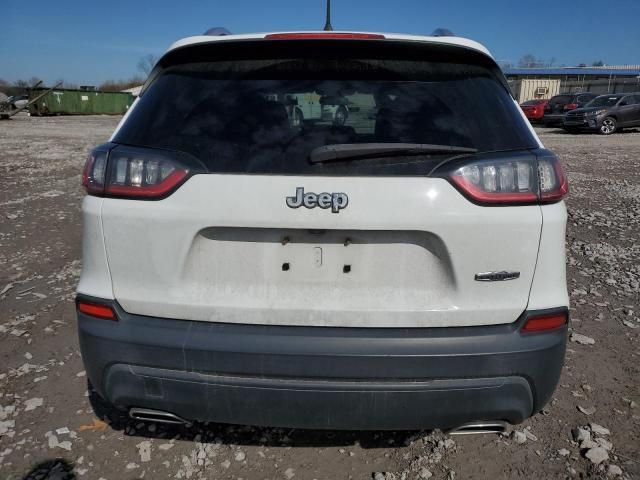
{"x":247,"y":435}
{"x":54,"y":469}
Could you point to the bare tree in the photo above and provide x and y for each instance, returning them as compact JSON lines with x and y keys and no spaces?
{"x":21,"y":84}
{"x":504,"y":64}
{"x":146,"y":64}
{"x":528,"y":61}
{"x":531,"y":61}
{"x":64,"y":84}
{"x":119,"y":85}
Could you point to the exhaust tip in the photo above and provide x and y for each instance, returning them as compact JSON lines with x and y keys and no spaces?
{"x":158,"y":416}
{"x":478,"y":428}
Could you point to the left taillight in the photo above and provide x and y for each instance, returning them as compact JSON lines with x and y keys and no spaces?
{"x":134,"y":173}
{"x":97,"y":310}
{"x":571,"y":106}
{"x":93,"y":175}
{"x":511,"y":182}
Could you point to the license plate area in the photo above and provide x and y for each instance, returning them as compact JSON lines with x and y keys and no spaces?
{"x":333,"y":258}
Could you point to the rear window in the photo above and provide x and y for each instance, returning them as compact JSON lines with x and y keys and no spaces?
{"x":533,"y":102}
{"x":560,"y":100}
{"x":268,"y":115}
{"x":585,"y":98}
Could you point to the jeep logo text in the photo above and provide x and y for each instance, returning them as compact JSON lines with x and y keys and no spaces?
{"x":337,"y":201}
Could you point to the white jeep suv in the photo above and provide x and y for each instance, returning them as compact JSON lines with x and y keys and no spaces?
{"x":403,"y":270}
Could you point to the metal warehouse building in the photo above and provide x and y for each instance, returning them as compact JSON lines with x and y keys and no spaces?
{"x":530,"y":83}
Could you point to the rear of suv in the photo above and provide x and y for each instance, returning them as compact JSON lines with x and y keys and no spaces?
{"x":402,"y":270}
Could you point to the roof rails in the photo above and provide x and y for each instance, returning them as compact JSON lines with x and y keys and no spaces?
{"x":442,"y":32}
{"x":217,"y":32}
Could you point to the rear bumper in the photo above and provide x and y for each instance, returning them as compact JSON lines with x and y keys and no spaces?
{"x":322,"y":377}
{"x":553,"y":118}
{"x":534,"y":117}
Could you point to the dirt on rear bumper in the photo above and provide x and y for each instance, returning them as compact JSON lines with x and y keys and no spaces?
{"x":322,"y":377}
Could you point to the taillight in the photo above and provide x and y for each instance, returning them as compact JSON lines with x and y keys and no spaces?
{"x":545,"y":322}
{"x":93,"y":175}
{"x":506,"y":181}
{"x":143,"y":175}
{"x":129,"y":172}
{"x":497,"y":182}
{"x":571,"y":106}
{"x":553,"y":181}
{"x":324,"y":36}
{"x":97,"y":310}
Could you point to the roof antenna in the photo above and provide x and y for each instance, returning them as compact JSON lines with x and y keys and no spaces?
{"x":327,"y":25}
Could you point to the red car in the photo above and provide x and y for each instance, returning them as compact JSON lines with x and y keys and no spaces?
{"x":534,"y":109}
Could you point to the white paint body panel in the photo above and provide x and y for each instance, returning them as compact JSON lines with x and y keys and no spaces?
{"x":95,"y":279}
{"x":190,"y":256}
{"x":213,"y":251}
{"x":549,"y":287}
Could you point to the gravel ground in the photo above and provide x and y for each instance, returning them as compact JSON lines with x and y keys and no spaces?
{"x":49,"y":430}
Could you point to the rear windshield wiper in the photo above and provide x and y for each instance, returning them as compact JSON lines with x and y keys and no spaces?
{"x":355,"y":151}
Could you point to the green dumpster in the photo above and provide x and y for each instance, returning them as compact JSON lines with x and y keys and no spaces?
{"x":62,"y":101}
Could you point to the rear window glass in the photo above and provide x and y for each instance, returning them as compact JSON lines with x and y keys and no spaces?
{"x":585,"y":98}
{"x":533,"y":102}
{"x":560,"y":99}
{"x":267,"y":116}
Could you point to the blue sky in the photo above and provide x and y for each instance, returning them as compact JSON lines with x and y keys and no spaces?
{"x":87,"y":42}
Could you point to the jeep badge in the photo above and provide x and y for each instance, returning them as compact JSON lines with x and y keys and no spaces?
{"x":337,"y":201}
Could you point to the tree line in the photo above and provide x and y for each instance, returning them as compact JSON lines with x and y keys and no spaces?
{"x":22,"y":86}
{"x":531,"y":61}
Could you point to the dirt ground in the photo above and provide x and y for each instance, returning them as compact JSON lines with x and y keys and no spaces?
{"x":49,"y":430}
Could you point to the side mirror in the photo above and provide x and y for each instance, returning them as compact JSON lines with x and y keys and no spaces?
{"x":623,"y":103}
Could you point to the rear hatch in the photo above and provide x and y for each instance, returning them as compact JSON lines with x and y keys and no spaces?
{"x":270,"y":228}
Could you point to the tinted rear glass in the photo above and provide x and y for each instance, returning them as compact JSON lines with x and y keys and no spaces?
{"x":266,"y":116}
{"x":560,"y":99}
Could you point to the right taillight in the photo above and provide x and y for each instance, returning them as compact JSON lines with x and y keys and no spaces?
{"x":518,"y":181}
{"x":545,"y":322}
{"x":137,"y":173}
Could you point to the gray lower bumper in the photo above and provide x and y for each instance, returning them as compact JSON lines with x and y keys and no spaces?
{"x":315,"y":377}
{"x":553,"y":119}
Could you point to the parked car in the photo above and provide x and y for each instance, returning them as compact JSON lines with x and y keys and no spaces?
{"x":534,"y":109}
{"x":18,"y":101}
{"x":606,"y":114}
{"x":406,"y":275}
{"x":313,"y":107}
{"x":559,"y":105}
